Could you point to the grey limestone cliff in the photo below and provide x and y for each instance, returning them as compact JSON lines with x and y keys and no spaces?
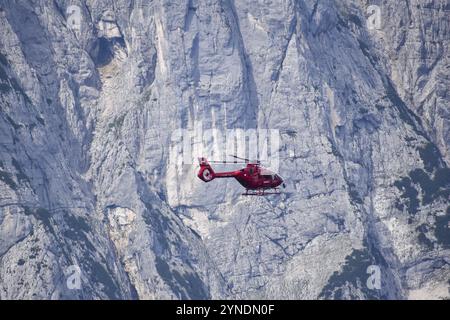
{"x":86,"y":122}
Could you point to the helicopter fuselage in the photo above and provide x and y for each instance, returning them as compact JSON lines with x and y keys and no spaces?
{"x":252,"y":177}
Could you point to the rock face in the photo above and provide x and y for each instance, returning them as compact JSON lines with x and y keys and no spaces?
{"x":93,"y":206}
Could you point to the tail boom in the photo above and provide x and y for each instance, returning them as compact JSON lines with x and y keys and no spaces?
{"x":207,"y":173}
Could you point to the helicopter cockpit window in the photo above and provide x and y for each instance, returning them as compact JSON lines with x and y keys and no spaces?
{"x":265,"y":172}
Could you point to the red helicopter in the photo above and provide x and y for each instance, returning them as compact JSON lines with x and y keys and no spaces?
{"x":254,"y":178}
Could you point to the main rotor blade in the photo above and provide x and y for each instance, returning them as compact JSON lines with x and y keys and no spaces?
{"x":246,"y":160}
{"x":226,"y":161}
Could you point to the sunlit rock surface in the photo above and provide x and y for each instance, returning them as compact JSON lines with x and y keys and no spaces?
{"x":87,"y":170}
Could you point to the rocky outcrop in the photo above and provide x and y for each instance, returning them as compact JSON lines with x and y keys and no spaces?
{"x":90,"y":98}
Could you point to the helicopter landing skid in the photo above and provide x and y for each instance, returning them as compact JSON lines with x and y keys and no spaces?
{"x":260,"y":192}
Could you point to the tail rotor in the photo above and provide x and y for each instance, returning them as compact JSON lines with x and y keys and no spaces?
{"x":206,"y":172}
